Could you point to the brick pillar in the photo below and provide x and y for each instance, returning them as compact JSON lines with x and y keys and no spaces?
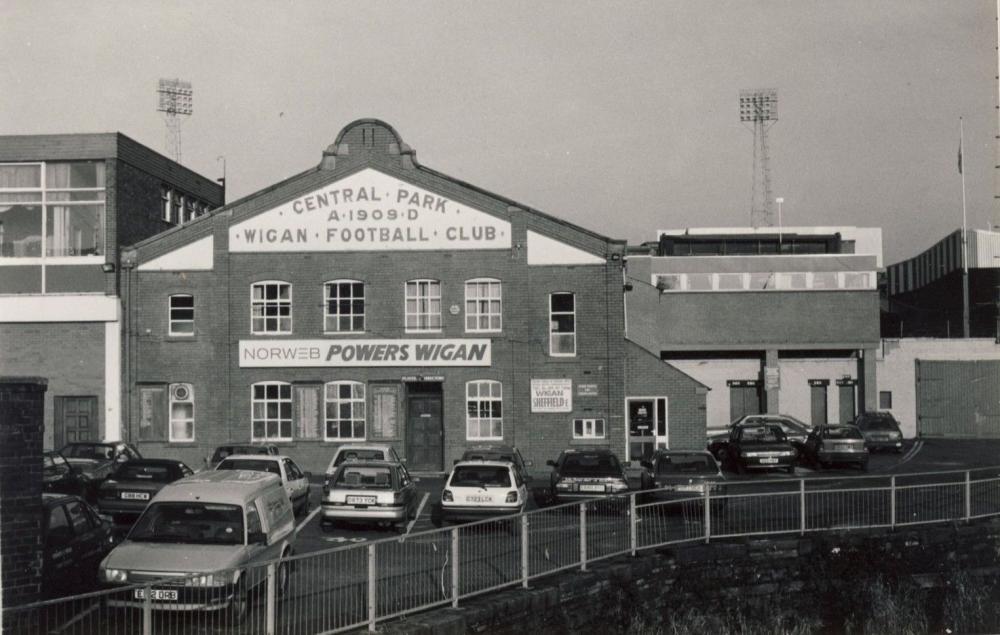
{"x":772,"y":382}
{"x":22,"y":403}
{"x":867,"y":381}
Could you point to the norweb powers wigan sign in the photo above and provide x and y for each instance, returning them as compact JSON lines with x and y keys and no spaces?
{"x":358,"y":353}
{"x":369,"y":211}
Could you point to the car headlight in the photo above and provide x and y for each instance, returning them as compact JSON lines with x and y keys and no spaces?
{"x":213,"y":579}
{"x":115,"y":575}
{"x":561,"y":485}
{"x":895,"y":435}
{"x":787,"y":453}
{"x":619,"y":486}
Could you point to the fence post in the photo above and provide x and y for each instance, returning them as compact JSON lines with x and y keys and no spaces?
{"x":454,"y":567}
{"x":271,"y":595}
{"x":708,"y":513}
{"x":583,"y":536}
{"x":525,"y":560}
{"x":372,"y":590}
{"x":968,"y":496}
{"x":633,"y":524}
{"x":892,"y":502}
{"x":147,"y":610}
{"x":802,"y":507}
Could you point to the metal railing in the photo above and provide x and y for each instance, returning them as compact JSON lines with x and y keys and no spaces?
{"x":361,"y":585}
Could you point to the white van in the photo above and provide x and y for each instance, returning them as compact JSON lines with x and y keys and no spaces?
{"x":215,"y":524}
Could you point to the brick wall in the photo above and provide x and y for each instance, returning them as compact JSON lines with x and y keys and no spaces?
{"x":647,"y":376}
{"x":21,"y":408}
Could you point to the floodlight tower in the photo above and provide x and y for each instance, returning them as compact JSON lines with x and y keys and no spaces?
{"x":760,"y":108}
{"x":175,"y":102}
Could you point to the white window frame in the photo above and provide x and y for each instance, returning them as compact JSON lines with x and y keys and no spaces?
{"x":353,"y":401}
{"x":180,"y":420}
{"x":265,"y":401}
{"x":264,"y":303}
{"x":170,"y":316}
{"x":478,"y":302}
{"x":589,"y":429}
{"x":335,"y":316}
{"x":422,"y":299}
{"x":479,"y":420}
{"x":552,"y":333}
{"x":165,"y":195}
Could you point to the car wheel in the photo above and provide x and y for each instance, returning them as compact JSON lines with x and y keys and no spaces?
{"x":239,"y":607}
{"x":282,"y":578}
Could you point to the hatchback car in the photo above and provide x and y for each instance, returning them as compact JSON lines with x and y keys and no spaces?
{"x":581,"y":474}
{"x":481,"y":489}
{"x":369,"y":491}
{"x":223,"y":451}
{"x":294,"y":480}
{"x":881,"y":431}
{"x":59,"y":475}
{"x":836,"y":443}
{"x":507,"y":453}
{"x":75,"y":539}
{"x":130,"y":487}
{"x":683,"y":474}
{"x":756,"y":446}
{"x":795,"y":431}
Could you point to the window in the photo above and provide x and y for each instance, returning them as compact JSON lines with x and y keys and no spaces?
{"x":181,"y":412}
{"x":271,"y":411}
{"x":165,"y":203}
{"x":562,"y":324}
{"x":271,"y":307}
{"x":730,"y":281}
{"x":423,"y":305}
{"x":588,"y":428}
{"x":885,"y":400}
{"x":177,"y":207}
{"x":667,"y":282}
{"x":79,"y":518}
{"x":483,"y":305}
{"x":181,"y":310}
{"x":345,"y":410}
{"x":189,"y":209}
{"x":484,"y":410}
{"x":699,"y":282}
{"x":345,"y":306}
{"x":253,"y":520}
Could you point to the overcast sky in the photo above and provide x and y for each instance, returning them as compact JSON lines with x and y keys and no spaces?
{"x":621,"y":117}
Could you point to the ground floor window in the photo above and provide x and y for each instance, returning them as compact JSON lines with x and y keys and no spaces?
{"x":271,"y":411}
{"x":885,"y":399}
{"x":345,"y":411}
{"x":181,"y":412}
{"x":588,"y":428}
{"x":484,"y":410}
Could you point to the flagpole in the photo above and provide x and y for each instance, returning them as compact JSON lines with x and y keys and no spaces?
{"x":965,"y":248}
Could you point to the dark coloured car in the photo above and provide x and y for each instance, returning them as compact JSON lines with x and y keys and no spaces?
{"x":59,"y":475}
{"x":75,"y":539}
{"x":95,"y":460}
{"x":796,"y":431}
{"x":223,"y":451}
{"x":579,"y":474}
{"x":836,"y":443}
{"x":684,"y":474}
{"x":756,"y":446}
{"x":881,"y":431}
{"x":506,"y":453}
{"x":130,"y":487}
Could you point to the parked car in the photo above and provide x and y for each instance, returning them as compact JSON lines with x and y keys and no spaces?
{"x":796,"y":431}
{"x":369,"y":491}
{"x":481,"y":488}
{"x":881,"y":431}
{"x":294,"y":480}
{"x":507,"y":453}
{"x":131,"y":486}
{"x":363,"y":452}
{"x":212,"y":525}
{"x":59,"y":475}
{"x":683,"y":474}
{"x":755,"y":446}
{"x":836,"y":443}
{"x":75,"y":538}
{"x":581,"y":474}
{"x":95,"y":460}
{"x":223,"y":451}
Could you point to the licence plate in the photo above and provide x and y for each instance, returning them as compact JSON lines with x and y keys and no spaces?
{"x":591,"y":488}
{"x":361,"y":500}
{"x":689,"y":488}
{"x":842,"y":447}
{"x":135,"y":496}
{"x":767,"y":461}
{"x":479,"y":499}
{"x":156,"y":594}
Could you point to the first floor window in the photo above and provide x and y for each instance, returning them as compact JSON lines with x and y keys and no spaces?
{"x":181,"y":412}
{"x":562,"y":324}
{"x":345,"y":306}
{"x":271,"y":411}
{"x":345,"y":410}
{"x":423,"y":305}
{"x":271,"y":307}
{"x":181,"y":314}
{"x":484,"y":410}
{"x":482,"y":306}
{"x":588,"y":428}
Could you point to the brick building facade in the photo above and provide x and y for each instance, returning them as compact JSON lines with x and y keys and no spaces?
{"x":373,"y":298}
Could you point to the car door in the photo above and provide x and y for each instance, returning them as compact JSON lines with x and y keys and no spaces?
{"x":522,"y":487}
{"x":57,"y":567}
{"x":406,"y":488}
{"x":295,"y":481}
{"x":89,"y":538}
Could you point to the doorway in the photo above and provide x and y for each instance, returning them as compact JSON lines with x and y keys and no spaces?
{"x":647,"y":426}
{"x":75,"y":420}
{"x":744,"y":398}
{"x":424,"y":427}
{"x":817,"y":401}
{"x":848,"y":400}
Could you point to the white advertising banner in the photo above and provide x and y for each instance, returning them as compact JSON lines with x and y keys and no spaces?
{"x":362,"y":353}
{"x":369,"y":211}
{"x":551,"y":395}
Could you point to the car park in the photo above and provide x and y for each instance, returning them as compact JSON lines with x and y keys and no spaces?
{"x":684,"y":474}
{"x":755,"y":446}
{"x":133,"y":484}
{"x":836,"y":443}
{"x":363,"y":452}
{"x":95,"y":460}
{"x":295,"y":481}
{"x":579,"y":474}
{"x":881,"y":431}
{"x":198,"y":541}
{"x":74,"y":540}
{"x":507,"y":453}
{"x":223,"y":451}
{"x":479,"y":489}
{"x":59,"y":475}
{"x":369,"y":491}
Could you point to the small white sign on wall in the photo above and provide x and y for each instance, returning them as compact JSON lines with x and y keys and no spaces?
{"x":551,"y":395}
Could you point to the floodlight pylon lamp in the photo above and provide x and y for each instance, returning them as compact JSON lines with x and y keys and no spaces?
{"x":759,"y":105}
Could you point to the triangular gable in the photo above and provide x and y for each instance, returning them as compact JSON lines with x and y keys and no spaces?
{"x":543,"y":250}
{"x":369,"y":211}
{"x":195,"y":256}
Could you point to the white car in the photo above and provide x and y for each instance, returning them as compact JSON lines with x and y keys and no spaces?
{"x":363,"y":452}
{"x":482,"y":489}
{"x":294,"y":480}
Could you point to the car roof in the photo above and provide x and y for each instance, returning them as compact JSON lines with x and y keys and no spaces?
{"x":258,"y":457}
{"x":231,"y":487}
{"x":54,"y":497}
{"x":366,"y":463}
{"x":666,"y":452}
{"x":483,"y":462}
{"x":154,"y":462}
{"x":491,"y":448}
{"x":364,"y":446}
{"x":587,"y":451}
{"x":92,"y":443}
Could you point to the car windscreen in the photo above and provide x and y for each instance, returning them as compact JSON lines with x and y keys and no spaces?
{"x":53,"y":461}
{"x":190,"y":523}
{"x":133,"y":471}
{"x":96,"y":451}
{"x":364,"y":477}
{"x":590,"y":465}
{"x":686,"y":464}
{"x":480,"y":455}
{"x":359,"y":455}
{"x":762,"y":434}
{"x":877,"y":423}
{"x":256,"y":465}
{"x":842,"y":433}
{"x":480,"y":476}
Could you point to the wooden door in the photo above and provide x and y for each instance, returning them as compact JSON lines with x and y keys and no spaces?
{"x":75,"y":420}
{"x":424,"y":433}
